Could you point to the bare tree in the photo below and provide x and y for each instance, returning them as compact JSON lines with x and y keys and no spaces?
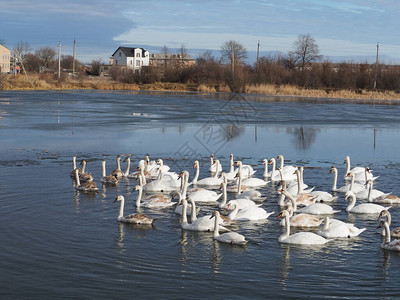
{"x":233,"y":52}
{"x":21,"y":49}
{"x":47,"y":56}
{"x":2,"y":41}
{"x":182,"y":54}
{"x":305,"y":51}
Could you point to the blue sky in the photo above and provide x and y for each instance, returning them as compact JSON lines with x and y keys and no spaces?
{"x":342,"y":29}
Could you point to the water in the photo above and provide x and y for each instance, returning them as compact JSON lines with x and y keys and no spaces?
{"x":58,"y":243}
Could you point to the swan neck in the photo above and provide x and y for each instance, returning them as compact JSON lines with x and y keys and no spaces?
{"x":216,"y":225}
{"x":103,"y":168}
{"x":121,"y":209}
{"x":298,"y":181}
{"x":119,"y":163}
{"x":334,"y":183}
{"x":282,"y":162}
{"x":352,"y":202}
{"x":184,"y":209}
{"x":239,"y":183}
{"x":281,"y":201}
{"x":224,"y":196}
{"x":287,"y":229}
{"x":326,"y":225}
{"x":196,"y":176}
{"x":265,"y":170}
{"x":347,"y":161}
{"x":73,"y":162}
{"x":128,"y":166}
{"x":142,"y":176}
{"x":294,"y":203}
{"x":233,"y":214}
{"x":78,"y":182}
{"x":139,"y":197}
{"x":193,"y":216}
{"x":387,"y":232}
{"x":232,"y":168}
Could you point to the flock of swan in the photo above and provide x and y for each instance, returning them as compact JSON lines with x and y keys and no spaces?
{"x":300,"y":206}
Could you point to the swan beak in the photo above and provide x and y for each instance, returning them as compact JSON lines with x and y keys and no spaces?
{"x":279,"y":216}
{"x":115,"y":200}
{"x":270,"y":162}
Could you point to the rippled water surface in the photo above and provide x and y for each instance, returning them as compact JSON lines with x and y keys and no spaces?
{"x":57,"y":243}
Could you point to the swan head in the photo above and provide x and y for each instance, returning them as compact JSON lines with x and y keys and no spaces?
{"x":347,"y":159}
{"x":272,"y":160}
{"x":333,"y":169}
{"x":381,"y":223}
{"x":196,"y":164}
{"x":283,"y":213}
{"x":383,"y":215}
{"x":280,"y":156}
{"x":350,"y":174}
{"x":231,"y":205}
{"x":265,"y":161}
{"x":137,"y":188}
{"x":119,"y":198}
{"x":349,"y":194}
{"x":231,"y":156}
{"x":215,"y":214}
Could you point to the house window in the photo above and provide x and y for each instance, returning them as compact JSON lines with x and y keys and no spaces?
{"x":131,"y":62}
{"x":116,"y":61}
{"x":137,"y":54}
{"x":137,"y":63}
{"x":120,"y":54}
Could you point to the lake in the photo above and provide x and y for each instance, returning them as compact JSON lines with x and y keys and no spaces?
{"x":56,"y":242}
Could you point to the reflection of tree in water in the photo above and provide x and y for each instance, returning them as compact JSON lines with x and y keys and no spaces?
{"x":303,"y":137}
{"x":231,"y":131}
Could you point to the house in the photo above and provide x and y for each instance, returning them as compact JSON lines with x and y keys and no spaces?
{"x":5,"y":55}
{"x":170,"y":59}
{"x":134,"y":58}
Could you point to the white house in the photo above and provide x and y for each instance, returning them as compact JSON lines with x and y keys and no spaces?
{"x":134,"y":58}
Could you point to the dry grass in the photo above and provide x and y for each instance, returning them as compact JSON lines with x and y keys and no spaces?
{"x":50,"y":82}
{"x":288,"y":90}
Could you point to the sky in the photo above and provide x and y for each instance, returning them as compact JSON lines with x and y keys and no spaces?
{"x":343,"y":30}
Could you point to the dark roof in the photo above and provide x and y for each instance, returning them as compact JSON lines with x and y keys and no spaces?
{"x":129,"y":51}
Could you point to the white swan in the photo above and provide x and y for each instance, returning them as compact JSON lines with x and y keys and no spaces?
{"x":231,"y":175}
{"x":369,"y":193}
{"x":386,"y":216}
{"x":154,"y":201}
{"x":182,"y":194}
{"x":333,"y":228}
{"x":107,"y":179}
{"x":228,"y":237}
{"x":212,"y":182}
{"x":165,"y":183}
{"x":351,"y":186}
{"x":289,"y":169}
{"x":361,"y":174}
{"x":363,"y":208}
{"x":137,"y":218}
{"x":250,"y":182}
{"x":88,"y":186}
{"x":242,"y":202}
{"x":388,"y":244}
{"x":247,"y":170}
{"x":247,"y":213}
{"x":199,"y":224}
{"x":278,"y":176}
{"x":298,"y":187}
{"x":313,"y":209}
{"x":299,"y":238}
{"x":302,"y":199}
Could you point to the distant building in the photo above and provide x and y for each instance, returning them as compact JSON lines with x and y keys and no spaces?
{"x":5,"y":55}
{"x":134,"y":58}
{"x":170,"y":59}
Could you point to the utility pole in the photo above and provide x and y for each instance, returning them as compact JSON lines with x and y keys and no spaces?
{"x":59,"y":60}
{"x":73,"y":61}
{"x":376,"y":65}
{"x":258,"y":55}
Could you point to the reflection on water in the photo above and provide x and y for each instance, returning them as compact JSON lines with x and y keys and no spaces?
{"x":85,"y":246}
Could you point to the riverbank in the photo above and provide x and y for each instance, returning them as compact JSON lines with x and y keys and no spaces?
{"x":46,"y":82}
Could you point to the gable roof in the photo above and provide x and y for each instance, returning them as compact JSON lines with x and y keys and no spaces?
{"x":129,"y":51}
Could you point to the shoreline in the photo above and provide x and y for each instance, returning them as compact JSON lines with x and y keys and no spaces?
{"x":258,"y":93}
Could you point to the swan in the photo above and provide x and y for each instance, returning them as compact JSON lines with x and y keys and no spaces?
{"x":250,"y":182}
{"x":369,"y":193}
{"x":351,"y":186}
{"x":334,"y":228}
{"x":301,"y":220}
{"x":388,"y":244}
{"x":243,"y":202}
{"x":297,"y":187}
{"x":322,"y":196}
{"x":165,"y":183}
{"x":231,"y":175}
{"x":247,"y":170}
{"x":299,"y":238}
{"x":107,"y":179}
{"x":278,"y":176}
{"x":210,"y":182}
{"x":222,"y":220}
{"x":302,"y":199}
{"x":228,"y":237}
{"x":179,"y":206}
{"x":313,"y":209}
{"x":363,"y":208}
{"x":154,"y":201}
{"x":118,"y":172}
{"x":213,"y":166}
{"x":88,"y":186}
{"x":386,"y":216}
{"x":247,"y":213}
{"x":285,"y":169}
{"x":199,"y":195}
{"x":137,"y":218}
{"x":85,"y":176}
{"x":199,"y":224}
{"x":386,"y":199}
{"x":72,"y":174}
{"x":361,"y":174}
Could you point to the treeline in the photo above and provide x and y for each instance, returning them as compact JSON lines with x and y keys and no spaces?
{"x":276,"y":70}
